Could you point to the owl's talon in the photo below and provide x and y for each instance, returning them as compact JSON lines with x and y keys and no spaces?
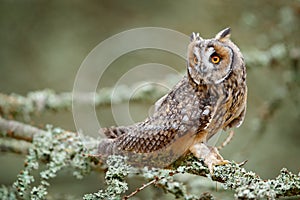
{"x":210,"y":155}
{"x":242,"y":163}
{"x":223,"y":162}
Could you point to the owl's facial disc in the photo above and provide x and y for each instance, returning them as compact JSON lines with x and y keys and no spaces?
{"x":210,"y":61}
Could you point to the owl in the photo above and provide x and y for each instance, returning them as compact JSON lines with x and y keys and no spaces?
{"x":209,"y":98}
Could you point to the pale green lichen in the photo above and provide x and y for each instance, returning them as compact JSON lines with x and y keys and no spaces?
{"x":115,"y":179}
{"x":7,"y":193}
{"x":248,"y":185}
{"x":59,"y":149}
{"x":166,"y":178}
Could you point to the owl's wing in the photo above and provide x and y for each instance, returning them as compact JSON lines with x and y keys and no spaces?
{"x":145,"y":139}
{"x":179,"y":121}
{"x":239,"y":109}
{"x":159,"y":102}
{"x":237,"y":121}
{"x":158,"y":142}
{"x":148,"y":147}
{"x":114,"y":132}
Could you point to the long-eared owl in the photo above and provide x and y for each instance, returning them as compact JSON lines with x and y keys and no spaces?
{"x":209,"y":98}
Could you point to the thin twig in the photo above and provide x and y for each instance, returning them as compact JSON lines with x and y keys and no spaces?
{"x":141,"y":188}
{"x":154,"y":181}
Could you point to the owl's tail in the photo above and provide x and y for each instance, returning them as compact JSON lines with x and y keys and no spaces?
{"x":106,"y":147}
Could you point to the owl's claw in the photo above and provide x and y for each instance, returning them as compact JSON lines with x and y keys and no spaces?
{"x":242,"y":163}
{"x":210,"y":155}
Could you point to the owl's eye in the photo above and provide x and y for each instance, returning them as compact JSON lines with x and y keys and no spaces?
{"x":196,"y":60}
{"x":215,"y":59}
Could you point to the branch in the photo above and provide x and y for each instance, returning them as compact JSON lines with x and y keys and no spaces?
{"x":61,"y":149}
{"x":248,"y":185}
{"x":18,"y":130}
{"x":47,"y":100}
{"x":57,"y":148}
{"x":33,"y":103}
{"x":14,"y":146}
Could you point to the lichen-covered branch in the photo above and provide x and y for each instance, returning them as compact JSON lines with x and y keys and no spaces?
{"x":43,"y":100}
{"x":248,"y":185}
{"x":18,"y":130}
{"x":57,"y":148}
{"x":34,"y":102}
{"x":14,"y":146}
{"x":60,"y":149}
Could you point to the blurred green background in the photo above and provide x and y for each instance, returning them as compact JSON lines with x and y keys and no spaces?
{"x":43,"y":43}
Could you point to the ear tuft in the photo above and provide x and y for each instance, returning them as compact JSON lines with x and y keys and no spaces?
{"x":223,"y":35}
{"x":195,"y":36}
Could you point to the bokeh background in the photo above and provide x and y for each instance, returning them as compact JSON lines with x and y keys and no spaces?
{"x":43,"y":43}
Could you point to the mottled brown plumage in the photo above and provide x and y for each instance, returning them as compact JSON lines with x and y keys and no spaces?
{"x":212,"y":96}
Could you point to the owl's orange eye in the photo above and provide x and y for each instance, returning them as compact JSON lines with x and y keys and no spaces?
{"x":215,"y":59}
{"x":195,"y":60}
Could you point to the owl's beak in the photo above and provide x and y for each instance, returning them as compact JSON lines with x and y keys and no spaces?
{"x":203,"y":69}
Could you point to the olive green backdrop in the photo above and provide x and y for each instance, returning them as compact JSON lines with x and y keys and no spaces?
{"x":43,"y":43}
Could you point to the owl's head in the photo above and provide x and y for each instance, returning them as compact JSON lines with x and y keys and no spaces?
{"x":211,"y":61}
